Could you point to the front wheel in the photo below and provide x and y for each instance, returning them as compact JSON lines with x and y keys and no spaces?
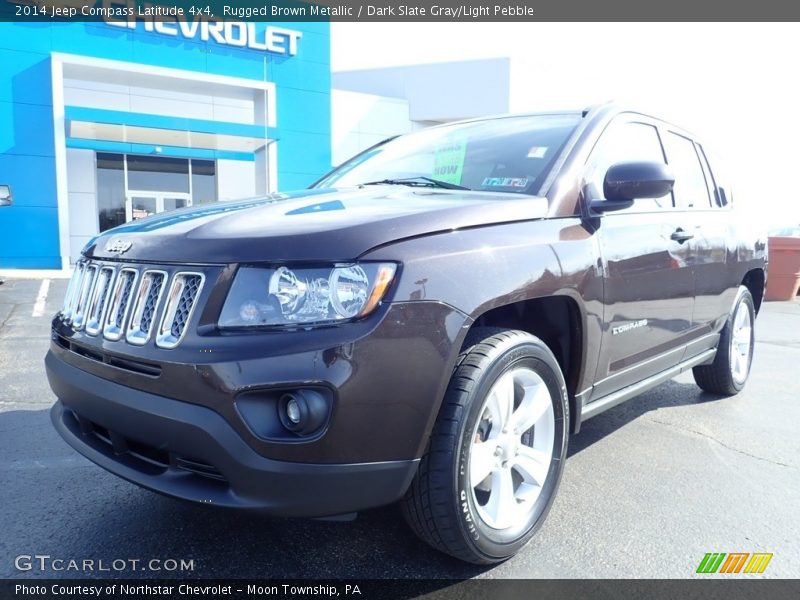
{"x":497,"y":450}
{"x":728,"y":373}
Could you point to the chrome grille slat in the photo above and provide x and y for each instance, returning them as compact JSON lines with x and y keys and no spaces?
{"x":152,"y":303}
{"x":76,"y":293}
{"x":72,"y":288}
{"x":181,"y":302}
{"x":120,"y":303}
{"x":85,"y":293}
{"x":145,"y":304}
{"x":99,"y":300}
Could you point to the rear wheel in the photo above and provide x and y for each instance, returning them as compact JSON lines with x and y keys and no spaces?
{"x":497,"y":450}
{"x":728,"y":374}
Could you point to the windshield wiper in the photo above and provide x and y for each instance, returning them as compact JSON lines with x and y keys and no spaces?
{"x":419,"y":180}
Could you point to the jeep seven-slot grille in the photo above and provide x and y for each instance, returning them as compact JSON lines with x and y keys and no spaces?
{"x":125,"y":302}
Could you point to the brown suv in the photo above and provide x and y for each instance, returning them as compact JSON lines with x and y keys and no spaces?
{"x":427,"y":324}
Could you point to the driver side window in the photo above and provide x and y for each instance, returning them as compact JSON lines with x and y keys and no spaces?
{"x":623,"y":142}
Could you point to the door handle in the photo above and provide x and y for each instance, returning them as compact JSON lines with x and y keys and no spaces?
{"x":680,"y":236}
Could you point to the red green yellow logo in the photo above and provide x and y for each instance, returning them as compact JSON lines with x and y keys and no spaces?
{"x":734,"y":562}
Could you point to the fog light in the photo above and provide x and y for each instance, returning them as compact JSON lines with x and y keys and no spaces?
{"x":303,"y":412}
{"x":293,"y":411}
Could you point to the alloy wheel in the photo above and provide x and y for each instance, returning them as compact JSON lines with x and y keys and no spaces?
{"x":512,"y":448}
{"x":741,"y":343}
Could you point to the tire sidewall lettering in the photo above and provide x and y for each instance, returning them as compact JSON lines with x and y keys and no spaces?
{"x":466,"y":515}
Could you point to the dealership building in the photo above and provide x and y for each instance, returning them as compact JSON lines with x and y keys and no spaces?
{"x":105,"y":122}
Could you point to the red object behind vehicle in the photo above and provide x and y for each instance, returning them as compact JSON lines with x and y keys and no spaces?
{"x":783,"y":281}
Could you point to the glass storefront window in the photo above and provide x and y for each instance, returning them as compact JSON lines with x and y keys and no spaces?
{"x":161,"y":173}
{"x":110,"y":190}
{"x":174,"y":203}
{"x":143,"y":207}
{"x":154,"y":184}
{"x":204,"y":181}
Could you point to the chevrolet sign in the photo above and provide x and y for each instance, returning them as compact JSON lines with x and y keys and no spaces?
{"x":275,"y":40}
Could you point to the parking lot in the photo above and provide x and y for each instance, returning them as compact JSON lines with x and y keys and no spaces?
{"x":649,"y":487}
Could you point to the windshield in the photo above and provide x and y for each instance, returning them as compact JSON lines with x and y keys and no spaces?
{"x":510,"y":154}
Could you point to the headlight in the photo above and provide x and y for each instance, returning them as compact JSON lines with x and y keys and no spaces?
{"x":305,"y":295}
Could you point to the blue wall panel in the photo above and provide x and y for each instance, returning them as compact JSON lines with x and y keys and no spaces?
{"x":26,"y":37}
{"x":34,"y":184}
{"x":29,"y":229}
{"x":26,"y":129}
{"x":34,"y":230}
{"x":26,"y":76}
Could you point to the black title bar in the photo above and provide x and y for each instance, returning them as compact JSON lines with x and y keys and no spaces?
{"x":405,"y":11}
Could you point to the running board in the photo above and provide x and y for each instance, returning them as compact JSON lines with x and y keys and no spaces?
{"x":610,"y":401}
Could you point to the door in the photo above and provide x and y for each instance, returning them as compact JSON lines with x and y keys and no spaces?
{"x":646,"y":264}
{"x":139,"y":205}
{"x":706,"y":204}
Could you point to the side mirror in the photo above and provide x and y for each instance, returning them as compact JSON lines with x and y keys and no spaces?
{"x":5,"y":195}
{"x":627,"y":181}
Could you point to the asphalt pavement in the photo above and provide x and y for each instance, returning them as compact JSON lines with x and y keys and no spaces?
{"x":649,"y":487}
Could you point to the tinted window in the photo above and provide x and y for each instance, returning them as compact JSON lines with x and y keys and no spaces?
{"x":690,"y":188}
{"x":624,"y":142}
{"x":720,"y":187}
{"x":708,"y":177}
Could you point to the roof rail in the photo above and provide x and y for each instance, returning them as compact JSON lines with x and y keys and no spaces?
{"x":592,"y":107}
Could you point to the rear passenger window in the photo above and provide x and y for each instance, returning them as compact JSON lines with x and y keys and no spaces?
{"x":719,"y":184}
{"x":625,"y":142}
{"x":690,"y":189}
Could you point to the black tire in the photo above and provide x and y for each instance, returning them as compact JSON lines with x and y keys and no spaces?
{"x":440,"y":506}
{"x":719,"y":377}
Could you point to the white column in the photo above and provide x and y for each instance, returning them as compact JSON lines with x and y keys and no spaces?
{"x":60,"y":150}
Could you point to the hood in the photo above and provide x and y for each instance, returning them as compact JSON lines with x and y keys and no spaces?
{"x":311,"y":225}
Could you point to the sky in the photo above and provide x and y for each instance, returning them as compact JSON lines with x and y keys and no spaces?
{"x":734,"y":85}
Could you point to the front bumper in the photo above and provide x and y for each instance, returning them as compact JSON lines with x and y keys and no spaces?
{"x":386,"y":375}
{"x":190,"y":451}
